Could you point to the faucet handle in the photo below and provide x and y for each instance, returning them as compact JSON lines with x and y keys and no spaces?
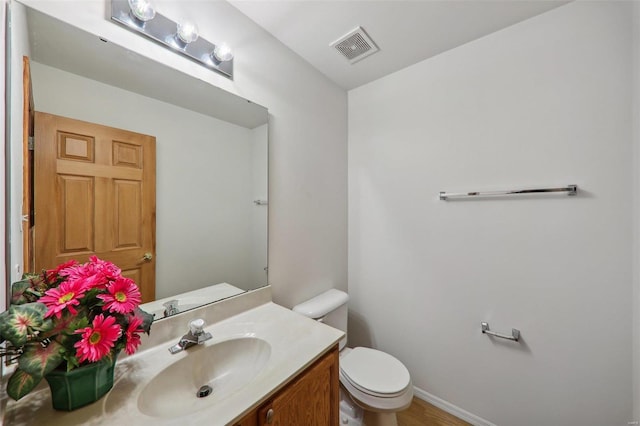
{"x":196,"y":326}
{"x":171,"y":304}
{"x":171,"y":308}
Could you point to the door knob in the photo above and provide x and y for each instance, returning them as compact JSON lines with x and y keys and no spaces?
{"x":269,"y":418}
{"x":147,"y":257}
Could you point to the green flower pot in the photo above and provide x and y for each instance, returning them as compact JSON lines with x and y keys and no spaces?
{"x":81,"y":386}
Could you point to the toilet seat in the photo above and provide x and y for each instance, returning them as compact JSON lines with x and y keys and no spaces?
{"x":374,"y":372}
{"x":375,"y":379}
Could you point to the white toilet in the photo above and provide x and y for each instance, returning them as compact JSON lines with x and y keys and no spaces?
{"x":374,"y":384}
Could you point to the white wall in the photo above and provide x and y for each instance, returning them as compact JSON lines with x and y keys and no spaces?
{"x":204,"y":178}
{"x":307,"y":134}
{"x":260,"y":188}
{"x":3,"y":294}
{"x":544,"y":102}
{"x":19,"y":48}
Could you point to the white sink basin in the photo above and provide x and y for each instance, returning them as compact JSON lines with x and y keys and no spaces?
{"x":226,"y":367}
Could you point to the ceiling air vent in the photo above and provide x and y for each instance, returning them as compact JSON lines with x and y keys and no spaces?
{"x":355,"y":45}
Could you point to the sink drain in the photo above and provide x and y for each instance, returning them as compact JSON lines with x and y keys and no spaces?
{"x":204,"y":391}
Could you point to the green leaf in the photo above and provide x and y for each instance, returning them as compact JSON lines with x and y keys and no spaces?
{"x":38,"y":360}
{"x":32,"y":276}
{"x":72,"y":362}
{"x":90,"y":300}
{"x":17,"y":292}
{"x":27,"y":290}
{"x":47,"y":325}
{"x":78,"y":323}
{"x":61,"y":325}
{"x":147,"y":319}
{"x":33,"y":294}
{"x":20,"y":321}
{"x":21,"y":383}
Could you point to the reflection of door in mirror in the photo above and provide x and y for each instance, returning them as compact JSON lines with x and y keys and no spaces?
{"x":94,"y":189}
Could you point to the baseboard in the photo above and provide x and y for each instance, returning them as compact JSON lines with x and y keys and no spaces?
{"x":450,"y":408}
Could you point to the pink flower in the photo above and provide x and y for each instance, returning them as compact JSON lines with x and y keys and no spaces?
{"x":106,"y":270}
{"x":52,"y":274}
{"x":96,"y":273}
{"x":122,"y":296}
{"x":133,"y":334}
{"x":98,"y":340}
{"x":66,"y":295}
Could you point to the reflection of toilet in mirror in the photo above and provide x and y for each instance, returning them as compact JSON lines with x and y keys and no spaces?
{"x":373,"y":384}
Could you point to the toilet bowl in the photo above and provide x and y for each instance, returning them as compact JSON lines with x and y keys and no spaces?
{"x":374,"y":384}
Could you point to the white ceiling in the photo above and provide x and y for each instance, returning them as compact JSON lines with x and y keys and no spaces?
{"x":406,"y":32}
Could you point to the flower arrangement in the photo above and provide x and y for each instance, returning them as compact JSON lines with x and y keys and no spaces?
{"x":68,"y":317}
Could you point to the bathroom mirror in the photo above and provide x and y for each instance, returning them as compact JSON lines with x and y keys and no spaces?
{"x":211,"y":154}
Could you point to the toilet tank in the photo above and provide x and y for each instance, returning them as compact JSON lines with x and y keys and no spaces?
{"x":330,"y":308}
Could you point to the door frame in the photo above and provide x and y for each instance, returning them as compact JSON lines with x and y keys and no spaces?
{"x":28,"y":112}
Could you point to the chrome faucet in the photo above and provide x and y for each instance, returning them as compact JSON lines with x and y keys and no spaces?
{"x":195,"y":336}
{"x":171,"y":308}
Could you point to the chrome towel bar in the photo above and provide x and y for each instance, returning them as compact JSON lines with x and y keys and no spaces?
{"x":570,"y":190}
{"x":515,"y":334}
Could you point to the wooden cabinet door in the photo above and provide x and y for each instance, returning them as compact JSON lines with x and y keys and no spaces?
{"x":95,"y":194}
{"x":250,"y":419}
{"x":312,"y":399}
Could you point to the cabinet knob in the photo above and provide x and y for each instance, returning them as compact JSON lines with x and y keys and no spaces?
{"x":270,"y":416}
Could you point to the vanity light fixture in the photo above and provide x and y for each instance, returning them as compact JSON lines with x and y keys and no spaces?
{"x":142,"y":10}
{"x":181,"y":37}
{"x":187,"y":32}
{"x":223,"y":52}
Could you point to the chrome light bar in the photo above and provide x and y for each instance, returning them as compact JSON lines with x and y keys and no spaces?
{"x":163,"y":30}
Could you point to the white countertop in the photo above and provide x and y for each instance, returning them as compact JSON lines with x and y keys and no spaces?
{"x":295,"y":343}
{"x":193,"y":298}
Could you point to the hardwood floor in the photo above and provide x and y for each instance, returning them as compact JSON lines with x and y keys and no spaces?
{"x":421,"y":413}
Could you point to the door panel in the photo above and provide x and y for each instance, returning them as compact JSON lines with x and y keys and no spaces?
{"x":95,"y":195}
{"x":128,"y":209}
{"x":76,"y":201}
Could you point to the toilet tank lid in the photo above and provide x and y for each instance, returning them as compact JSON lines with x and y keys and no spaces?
{"x":322,"y":304}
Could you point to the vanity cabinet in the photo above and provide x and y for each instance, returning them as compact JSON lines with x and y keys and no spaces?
{"x":250,"y":419}
{"x":310,"y":399}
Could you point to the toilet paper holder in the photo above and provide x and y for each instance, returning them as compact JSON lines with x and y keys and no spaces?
{"x":515,"y":333}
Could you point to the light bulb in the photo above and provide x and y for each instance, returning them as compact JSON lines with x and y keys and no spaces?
{"x":223,"y":52}
{"x":142,"y":9}
{"x":187,"y":32}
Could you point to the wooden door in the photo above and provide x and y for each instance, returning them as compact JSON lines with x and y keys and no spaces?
{"x":311,"y":400}
{"x":95,"y":194}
